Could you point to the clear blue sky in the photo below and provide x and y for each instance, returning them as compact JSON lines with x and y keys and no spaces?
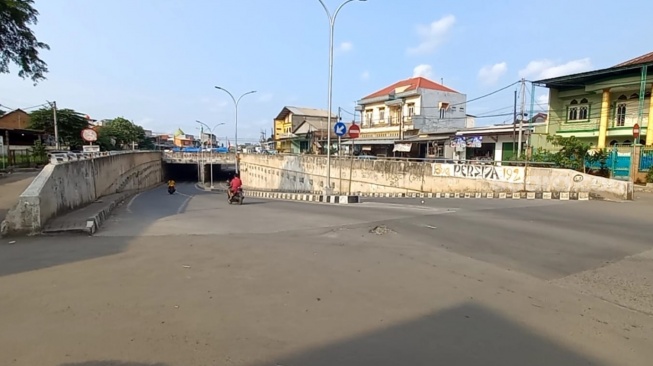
{"x":156,"y":61}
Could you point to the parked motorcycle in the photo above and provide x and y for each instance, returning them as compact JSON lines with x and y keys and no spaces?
{"x":237,"y":197}
{"x":171,"y":189}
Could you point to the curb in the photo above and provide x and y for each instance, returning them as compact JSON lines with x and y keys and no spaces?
{"x":94,"y":222}
{"x":562,"y":196}
{"x":306,"y":197}
{"x":214,"y":189}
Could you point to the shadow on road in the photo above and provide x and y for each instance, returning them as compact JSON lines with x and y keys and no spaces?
{"x":43,"y":252}
{"x":468,"y":334}
{"x":112,"y":363}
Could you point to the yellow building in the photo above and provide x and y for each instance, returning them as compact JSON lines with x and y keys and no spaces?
{"x":603,"y":106}
{"x":289,"y":119}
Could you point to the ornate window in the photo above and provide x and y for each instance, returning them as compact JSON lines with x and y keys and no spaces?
{"x":578,"y":111}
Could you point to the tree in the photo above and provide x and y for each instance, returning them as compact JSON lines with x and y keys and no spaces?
{"x":39,"y":152}
{"x":572,"y":153}
{"x":18,"y":44}
{"x":125,"y":133}
{"x":69,"y":122}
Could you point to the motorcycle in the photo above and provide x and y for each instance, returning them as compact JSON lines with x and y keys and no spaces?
{"x":237,"y":197}
{"x":171,"y":189}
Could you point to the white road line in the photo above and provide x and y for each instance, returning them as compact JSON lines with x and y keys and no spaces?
{"x":183,"y":205}
{"x":129,"y":205}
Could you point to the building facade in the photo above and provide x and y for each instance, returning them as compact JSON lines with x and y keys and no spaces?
{"x":16,"y":133}
{"x":289,"y":119}
{"x":407,"y":109}
{"x":602,"y":107}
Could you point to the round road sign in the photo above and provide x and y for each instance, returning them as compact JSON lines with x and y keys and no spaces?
{"x":636,"y":130}
{"x":354,"y":131}
{"x":89,"y":135}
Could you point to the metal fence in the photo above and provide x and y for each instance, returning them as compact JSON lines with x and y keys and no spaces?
{"x":14,"y":159}
{"x":429,"y":160}
{"x":646,"y":158}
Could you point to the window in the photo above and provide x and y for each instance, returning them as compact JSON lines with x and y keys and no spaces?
{"x":578,"y":111}
{"x":411,"y":109}
{"x":443,"y":109}
{"x":368,"y":117}
{"x":381,"y":115}
{"x":620,"y":118}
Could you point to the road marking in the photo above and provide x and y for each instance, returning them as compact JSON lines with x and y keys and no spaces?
{"x":129,"y":205}
{"x":184,"y":204}
{"x":431,"y":227}
{"x":184,"y":194}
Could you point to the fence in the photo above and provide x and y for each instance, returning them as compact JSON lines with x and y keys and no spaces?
{"x":646,"y":158}
{"x":21,"y":159}
{"x":434,"y":160}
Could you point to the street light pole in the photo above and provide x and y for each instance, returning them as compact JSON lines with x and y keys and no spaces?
{"x":236,"y":102}
{"x":210,"y":144}
{"x":332,"y":23}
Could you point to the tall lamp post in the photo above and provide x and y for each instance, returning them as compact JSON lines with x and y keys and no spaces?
{"x":210,"y":144}
{"x":332,"y":23}
{"x":236,"y":102}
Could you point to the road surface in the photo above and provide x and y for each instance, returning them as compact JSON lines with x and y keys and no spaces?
{"x":188,"y":280}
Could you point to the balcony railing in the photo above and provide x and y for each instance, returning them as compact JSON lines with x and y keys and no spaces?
{"x":589,"y":125}
{"x":389,"y":121}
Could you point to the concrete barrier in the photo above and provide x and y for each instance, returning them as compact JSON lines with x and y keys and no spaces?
{"x":307,"y":174}
{"x":65,"y":185}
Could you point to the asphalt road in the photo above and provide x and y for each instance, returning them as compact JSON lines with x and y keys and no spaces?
{"x":188,"y":280}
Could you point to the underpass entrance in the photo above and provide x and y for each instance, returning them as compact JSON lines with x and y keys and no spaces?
{"x":196,"y":172}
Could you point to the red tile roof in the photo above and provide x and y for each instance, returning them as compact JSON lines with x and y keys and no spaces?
{"x":644,"y":59}
{"x":413,"y":84}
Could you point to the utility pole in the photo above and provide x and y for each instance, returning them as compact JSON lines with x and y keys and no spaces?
{"x":514,"y":126}
{"x":521,"y":120}
{"x":53,"y":105}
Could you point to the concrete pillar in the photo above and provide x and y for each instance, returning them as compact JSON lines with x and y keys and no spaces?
{"x":605,"y":114}
{"x":649,"y":125}
{"x":634,"y":162}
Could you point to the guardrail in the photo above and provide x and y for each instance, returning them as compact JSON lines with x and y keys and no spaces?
{"x":427,"y":160}
{"x":65,"y":157}
{"x":196,"y":157}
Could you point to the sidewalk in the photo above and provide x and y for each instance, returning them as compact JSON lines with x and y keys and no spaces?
{"x":11,"y":186}
{"x":89,"y":218}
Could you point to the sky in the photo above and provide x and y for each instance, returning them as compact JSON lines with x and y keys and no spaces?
{"x":156,"y":62}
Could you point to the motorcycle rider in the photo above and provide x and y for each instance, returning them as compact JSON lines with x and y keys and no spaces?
{"x":171,"y":183}
{"x":234,"y":185}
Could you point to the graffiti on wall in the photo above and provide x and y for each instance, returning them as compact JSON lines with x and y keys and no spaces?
{"x":508,"y":174}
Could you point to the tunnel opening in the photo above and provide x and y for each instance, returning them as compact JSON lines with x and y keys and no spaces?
{"x":192,"y":173}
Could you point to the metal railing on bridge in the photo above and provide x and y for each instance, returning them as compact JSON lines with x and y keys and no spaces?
{"x":427,"y":160}
{"x":203,"y":157}
{"x":63,"y":157}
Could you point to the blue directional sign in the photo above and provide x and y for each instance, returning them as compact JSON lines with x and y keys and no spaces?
{"x":340,"y":129}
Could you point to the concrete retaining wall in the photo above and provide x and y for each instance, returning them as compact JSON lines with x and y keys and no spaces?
{"x":289,"y":173}
{"x":67,"y":185}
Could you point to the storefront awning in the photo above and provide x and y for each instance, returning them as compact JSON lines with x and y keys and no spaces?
{"x":423,"y":139}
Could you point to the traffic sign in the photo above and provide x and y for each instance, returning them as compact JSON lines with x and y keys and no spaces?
{"x":636,"y":130}
{"x":89,"y":135}
{"x":340,"y":129}
{"x":354,"y":131}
